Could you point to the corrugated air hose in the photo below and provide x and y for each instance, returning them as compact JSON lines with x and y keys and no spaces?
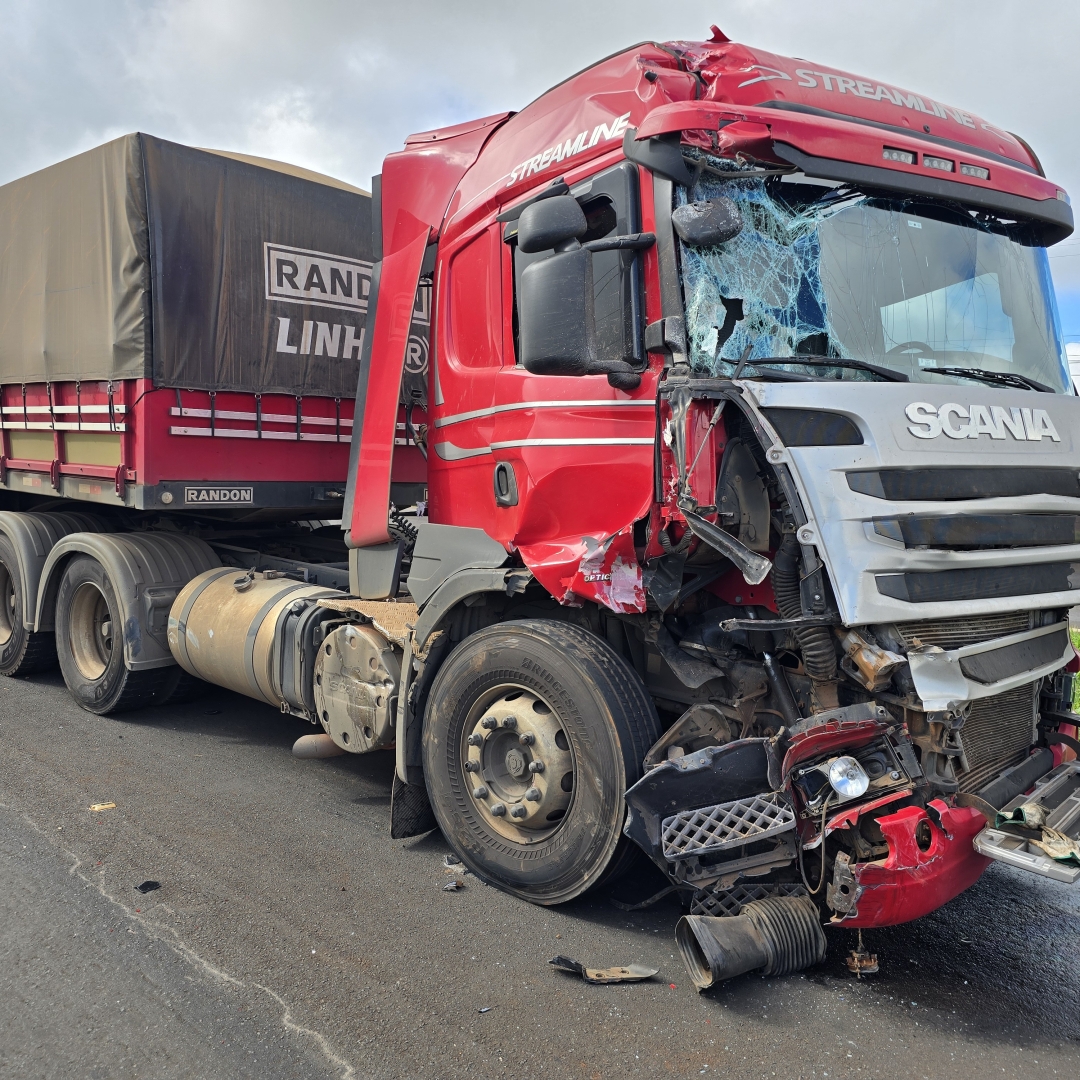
{"x":816,"y":642}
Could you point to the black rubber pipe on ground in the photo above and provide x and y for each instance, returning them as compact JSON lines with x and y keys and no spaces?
{"x":777,"y":935}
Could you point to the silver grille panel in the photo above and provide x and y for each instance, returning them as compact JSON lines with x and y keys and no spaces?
{"x":721,"y":902}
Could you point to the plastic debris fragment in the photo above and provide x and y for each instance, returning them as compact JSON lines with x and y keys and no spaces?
{"x":630,"y":973}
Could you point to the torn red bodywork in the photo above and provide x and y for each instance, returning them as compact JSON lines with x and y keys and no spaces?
{"x":606,"y":571}
{"x":912,"y":882}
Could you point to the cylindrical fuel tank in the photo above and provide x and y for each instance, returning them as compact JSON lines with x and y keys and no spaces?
{"x":223,"y":628}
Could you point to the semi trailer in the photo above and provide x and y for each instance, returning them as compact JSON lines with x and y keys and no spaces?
{"x":683,"y":467}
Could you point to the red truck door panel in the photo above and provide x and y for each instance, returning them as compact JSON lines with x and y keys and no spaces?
{"x":581,"y":452}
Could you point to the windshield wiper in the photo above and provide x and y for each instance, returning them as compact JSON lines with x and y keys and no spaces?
{"x":817,"y":360}
{"x":1000,"y":378}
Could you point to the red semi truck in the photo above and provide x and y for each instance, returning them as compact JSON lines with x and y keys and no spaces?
{"x":732,"y":517}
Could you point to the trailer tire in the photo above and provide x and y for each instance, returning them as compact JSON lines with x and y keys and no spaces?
{"x":22,"y":652}
{"x":89,"y":644}
{"x":556,"y":679}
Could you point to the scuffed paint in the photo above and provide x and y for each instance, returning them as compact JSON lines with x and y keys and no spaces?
{"x":606,"y":571}
{"x":611,"y":575}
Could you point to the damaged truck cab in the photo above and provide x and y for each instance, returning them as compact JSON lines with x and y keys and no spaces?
{"x":752,"y":485}
{"x":732,"y":518}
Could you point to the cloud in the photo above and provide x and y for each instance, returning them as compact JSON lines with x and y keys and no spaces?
{"x":335,"y":85}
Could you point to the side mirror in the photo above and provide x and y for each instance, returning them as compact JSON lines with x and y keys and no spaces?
{"x":704,"y":224}
{"x":550,"y":223}
{"x":557,"y":323}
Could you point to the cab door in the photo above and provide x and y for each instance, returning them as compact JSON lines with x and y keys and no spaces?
{"x":579,"y":450}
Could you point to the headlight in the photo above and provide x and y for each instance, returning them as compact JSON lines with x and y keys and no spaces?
{"x":848,"y":778}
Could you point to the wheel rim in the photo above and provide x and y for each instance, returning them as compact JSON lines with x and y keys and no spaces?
{"x":91,"y":631}
{"x":517,"y":764}
{"x":8,"y":613}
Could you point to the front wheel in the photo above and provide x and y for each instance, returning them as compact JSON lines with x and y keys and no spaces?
{"x":532,"y":734}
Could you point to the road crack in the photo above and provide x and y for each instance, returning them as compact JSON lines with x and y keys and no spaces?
{"x":171,"y":939}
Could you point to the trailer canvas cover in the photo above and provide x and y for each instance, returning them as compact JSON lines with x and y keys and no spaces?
{"x":143,"y":258}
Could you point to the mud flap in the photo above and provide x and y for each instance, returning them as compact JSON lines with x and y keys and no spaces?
{"x":410,"y":811}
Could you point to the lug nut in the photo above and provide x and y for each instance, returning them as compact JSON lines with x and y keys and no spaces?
{"x":472,"y":766}
{"x":536,"y":766}
{"x":475,"y":739}
{"x":480,"y":792}
{"x":497,"y":810}
{"x":509,"y":722}
{"x":518,"y":811}
{"x":489,"y":722}
{"x":526,"y":738}
{"x":533,"y":795}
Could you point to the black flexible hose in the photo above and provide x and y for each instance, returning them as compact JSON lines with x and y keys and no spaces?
{"x":816,"y":642}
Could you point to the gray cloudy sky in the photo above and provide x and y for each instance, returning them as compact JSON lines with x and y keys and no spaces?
{"x":335,"y":85}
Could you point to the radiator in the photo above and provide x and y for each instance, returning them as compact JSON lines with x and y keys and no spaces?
{"x":1000,"y":730}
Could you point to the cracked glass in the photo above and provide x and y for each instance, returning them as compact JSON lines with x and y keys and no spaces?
{"x":906,"y":284}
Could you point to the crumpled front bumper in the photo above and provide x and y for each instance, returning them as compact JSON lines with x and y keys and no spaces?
{"x":911,"y":882}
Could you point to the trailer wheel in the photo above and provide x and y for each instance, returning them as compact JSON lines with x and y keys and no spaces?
{"x":21,"y":651}
{"x":90,"y":644}
{"x":532,"y":734}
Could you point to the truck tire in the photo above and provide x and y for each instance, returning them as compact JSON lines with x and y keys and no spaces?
{"x":533,"y":732}
{"x":89,"y":644}
{"x":22,"y":652}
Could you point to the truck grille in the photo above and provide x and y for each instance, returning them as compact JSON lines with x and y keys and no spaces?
{"x":956,"y":633}
{"x":998,"y":733}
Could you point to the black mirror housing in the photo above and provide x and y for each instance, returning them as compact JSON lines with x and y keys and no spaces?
{"x":550,"y":223}
{"x":705,"y":224}
{"x":661,"y":154}
{"x":557,"y":325}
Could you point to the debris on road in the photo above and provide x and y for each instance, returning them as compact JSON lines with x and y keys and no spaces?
{"x":486,"y":1008}
{"x":453,"y":864}
{"x":453,"y":886}
{"x":103,"y":806}
{"x":860,"y":962}
{"x":148,"y":886}
{"x":630,"y":973}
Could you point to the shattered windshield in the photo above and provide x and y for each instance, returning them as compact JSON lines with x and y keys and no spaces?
{"x":902,"y":283}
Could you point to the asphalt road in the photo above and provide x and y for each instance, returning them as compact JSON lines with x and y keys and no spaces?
{"x":291,"y":937}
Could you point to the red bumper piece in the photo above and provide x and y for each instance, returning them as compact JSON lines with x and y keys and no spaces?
{"x":912,"y":882}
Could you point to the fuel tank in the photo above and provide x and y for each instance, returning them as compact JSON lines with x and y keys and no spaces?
{"x":228,"y":627}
